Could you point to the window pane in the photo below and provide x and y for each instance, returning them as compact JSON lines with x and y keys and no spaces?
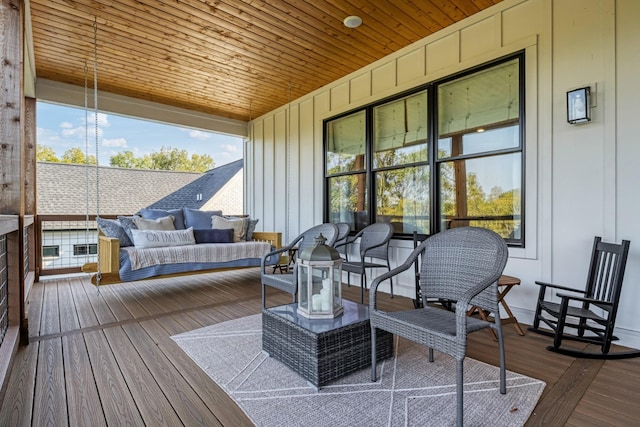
{"x":479,"y":100}
{"x":402,"y":198}
{"x":348,"y":200}
{"x":483,"y":192}
{"x":346,"y":144}
{"x":50,"y":251}
{"x":400,"y":131}
{"x":479,"y":142}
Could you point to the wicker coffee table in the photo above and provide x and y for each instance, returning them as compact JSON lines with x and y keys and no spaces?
{"x":322,"y":350}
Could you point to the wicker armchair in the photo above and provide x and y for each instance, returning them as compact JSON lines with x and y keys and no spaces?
{"x":462,"y":265}
{"x":373,"y":241}
{"x":288,"y":282}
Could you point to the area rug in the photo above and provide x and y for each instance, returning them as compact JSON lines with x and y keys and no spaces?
{"x":410,"y":391}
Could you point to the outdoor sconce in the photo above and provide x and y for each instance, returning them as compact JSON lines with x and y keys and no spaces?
{"x":319,"y":281}
{"x":579,"y":105}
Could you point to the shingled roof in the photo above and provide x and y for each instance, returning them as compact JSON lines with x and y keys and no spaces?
{"x":63,"y":188}
{"x":218,"y":189}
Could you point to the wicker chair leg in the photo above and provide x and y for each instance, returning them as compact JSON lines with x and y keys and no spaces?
{"x":264,"y":297}
{"x":373,"y":354}
{"x":503,"y":374}
{"x":430,"y":355}
{"x":460,"y":393}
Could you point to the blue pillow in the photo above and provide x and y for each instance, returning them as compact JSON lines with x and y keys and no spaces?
{"x":198,"y":219}
{"x":112,"y":228}
{"x":178,"y":217}
{"x":214,"y":235}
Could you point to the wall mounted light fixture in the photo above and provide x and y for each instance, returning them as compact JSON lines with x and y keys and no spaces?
{"x":579,"y":105}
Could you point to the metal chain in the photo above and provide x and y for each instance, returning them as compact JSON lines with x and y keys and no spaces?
{"x":95,"y":112}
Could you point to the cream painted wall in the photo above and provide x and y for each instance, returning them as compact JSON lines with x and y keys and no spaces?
{"x":229,"y":198}
{"x":579,"y":178}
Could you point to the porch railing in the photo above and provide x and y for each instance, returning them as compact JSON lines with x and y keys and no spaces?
{"x":66,"y":242}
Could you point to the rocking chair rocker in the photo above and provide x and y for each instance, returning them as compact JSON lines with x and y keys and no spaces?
{"x":593,"y":313}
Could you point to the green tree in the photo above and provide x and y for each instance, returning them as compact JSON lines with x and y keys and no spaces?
{"x":76,"y":156}
{"x":45,"y":153}
{"x":171,"y":159}
{"x":125,"y":159}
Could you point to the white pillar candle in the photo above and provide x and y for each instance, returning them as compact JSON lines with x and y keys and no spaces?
{"x":316,"y":302}
{"x":326,"y":299}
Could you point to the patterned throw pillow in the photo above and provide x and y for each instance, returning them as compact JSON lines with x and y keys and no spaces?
{"x":251,"y":227}
{"x":178,"y":216}
{"x":112,"y":228}
{"x":199,"y":219}
{"x":164,"y":223}
{"x":239,"y":226}
{"x":127,"y":223}
{"x":213,"y":235}
{"x":162,"y":238}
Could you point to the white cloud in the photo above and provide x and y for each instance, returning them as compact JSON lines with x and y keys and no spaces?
{"x":198,"y":134}
{"x":229,"y":148}
{"x":115,"y":142}
{"x":66,"y":125}
{"x":80,"y":132}
{"x":103,"y":119}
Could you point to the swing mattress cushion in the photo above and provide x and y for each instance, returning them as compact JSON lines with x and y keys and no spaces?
{"x":143,"y":263}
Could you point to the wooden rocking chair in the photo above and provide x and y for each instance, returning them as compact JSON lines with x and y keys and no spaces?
{"x":593,"y":312}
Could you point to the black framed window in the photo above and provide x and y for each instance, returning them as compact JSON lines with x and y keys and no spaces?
{"x":85,"y":249}
{"x":50,"y":251}
{"x":444,"y":155}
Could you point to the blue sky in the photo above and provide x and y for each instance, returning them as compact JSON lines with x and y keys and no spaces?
{"x":61,"y":128}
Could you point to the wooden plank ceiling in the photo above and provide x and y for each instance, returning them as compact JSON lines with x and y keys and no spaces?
{"x":233,"y":58}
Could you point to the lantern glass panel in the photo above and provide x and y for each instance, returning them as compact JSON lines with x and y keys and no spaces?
{"x":303,"y":271}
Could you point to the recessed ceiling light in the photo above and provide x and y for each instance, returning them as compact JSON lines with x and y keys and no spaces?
{"x":352,"y":21}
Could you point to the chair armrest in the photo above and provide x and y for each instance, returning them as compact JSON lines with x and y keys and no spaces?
{"x":564,"y":288}
{"x":276,"y":252}
{"x":399,"y":269}
{"x":583,"y":299}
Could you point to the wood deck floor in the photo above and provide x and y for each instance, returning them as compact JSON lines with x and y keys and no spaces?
{"x":106,"y":358}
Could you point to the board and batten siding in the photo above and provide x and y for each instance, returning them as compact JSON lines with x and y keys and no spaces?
{"x":579,"y":179}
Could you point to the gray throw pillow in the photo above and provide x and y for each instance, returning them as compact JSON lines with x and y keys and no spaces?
{"x":112,"y":228}
{"x":178,"y":216}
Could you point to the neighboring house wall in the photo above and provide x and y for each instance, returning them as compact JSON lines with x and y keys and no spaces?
{"x":230,"y":198}
{"x":579,"y":180}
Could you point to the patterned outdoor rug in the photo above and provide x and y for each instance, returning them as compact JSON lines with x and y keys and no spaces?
{"x":410,"y":391}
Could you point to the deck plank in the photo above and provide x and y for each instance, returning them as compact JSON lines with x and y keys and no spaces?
{"x":17,"y":407}
{"x":50,"y":389}
{"x":117,"y":403}
{"x":184,"y":400}
{"x":50,"y":320}
{"x":34,"y":308}
{"x":153,"y":405}
{"x":223,"y":407}
{"x":68,"y":315}
{"x":85,"y":408}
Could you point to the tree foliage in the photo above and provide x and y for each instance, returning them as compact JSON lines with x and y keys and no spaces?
{"x":170,"y":159}
{"x":73,"y":155}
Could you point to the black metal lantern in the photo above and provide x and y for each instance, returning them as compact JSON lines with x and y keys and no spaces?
{"x":319,"y":281}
